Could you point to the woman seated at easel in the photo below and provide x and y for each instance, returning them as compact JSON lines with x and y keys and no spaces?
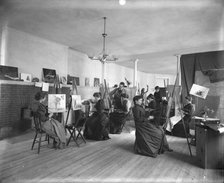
{"x":118,"y":116}
{"x":187,"y":111}
{"x":97,"y":125}
{"x":150,"y":138}
{"x":51,"y":126}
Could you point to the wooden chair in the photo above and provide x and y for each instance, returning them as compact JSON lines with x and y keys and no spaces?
{"x":39,"y":131}
{"x":77,"y":126}
{"x":127,"y":118}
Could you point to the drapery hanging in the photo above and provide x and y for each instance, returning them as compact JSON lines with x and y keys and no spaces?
{"x":210,"y":63}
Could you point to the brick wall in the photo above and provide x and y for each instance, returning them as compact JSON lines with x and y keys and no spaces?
{"x":14,"y":97}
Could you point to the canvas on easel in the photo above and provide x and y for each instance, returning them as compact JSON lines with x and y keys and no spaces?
{"x":56,"y":103}
{"x":199,"y":91}
{"x":76,"y":102}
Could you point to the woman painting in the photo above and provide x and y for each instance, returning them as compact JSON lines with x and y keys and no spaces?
{"x":150,"y":138}
{"x":51,"y":126}
{"x":97,"y":125}
{"x":119,"y":116}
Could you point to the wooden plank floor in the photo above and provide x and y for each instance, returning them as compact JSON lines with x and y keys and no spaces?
{"x":99,"y":161}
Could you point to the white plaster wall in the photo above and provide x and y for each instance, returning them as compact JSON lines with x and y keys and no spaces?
{"x":30,"y":54}
{"x":114,"y":74}
{"x":81,"y":66}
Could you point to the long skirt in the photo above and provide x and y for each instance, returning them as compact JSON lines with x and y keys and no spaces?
{"x":150,"y":139}
{"x":97,"y":127}
{"x":55,"y":129}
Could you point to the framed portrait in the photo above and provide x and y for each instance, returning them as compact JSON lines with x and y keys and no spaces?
{"x":87,"y":82}
{"x":199,"y":91}
{"x":26,"y":77}
{"x":49,"y":75}
{"x":96,"y":82}
{"x":71,"y":78}
{"x":56,"y":103}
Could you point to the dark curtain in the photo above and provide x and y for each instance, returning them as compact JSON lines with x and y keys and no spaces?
{"x":209,"y":63}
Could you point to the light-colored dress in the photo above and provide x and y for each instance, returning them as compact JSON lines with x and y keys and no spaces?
{"x":51,"y":126}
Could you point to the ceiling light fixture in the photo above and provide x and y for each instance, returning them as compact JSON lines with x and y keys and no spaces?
{"x":122,"y":2}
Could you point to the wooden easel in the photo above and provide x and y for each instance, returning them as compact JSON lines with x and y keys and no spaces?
{"x":168,"y":113}
{"x":70,"y":128}
{"x":106,"y":97}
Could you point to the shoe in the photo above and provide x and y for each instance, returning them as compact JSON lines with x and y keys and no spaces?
{"x":51,"y":146}
{"x":61,"y":146}
{"x":170,"y":150}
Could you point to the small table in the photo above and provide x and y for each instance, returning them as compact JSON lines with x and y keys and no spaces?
{"x":209,"y":147}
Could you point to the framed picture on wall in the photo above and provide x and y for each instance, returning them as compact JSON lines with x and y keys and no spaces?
{"x":49,"y":75}
{"x":71,"y":78}
{"x":8,"y":72}
{"x":25,"y":77}
{"x":87,"y":82}
{"x":96,"y":82}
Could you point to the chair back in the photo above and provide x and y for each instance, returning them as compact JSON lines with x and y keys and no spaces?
{"x":80,"y":118}
{"x":37,"y":122}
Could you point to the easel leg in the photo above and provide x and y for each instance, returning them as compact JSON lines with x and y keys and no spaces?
{"x":186,"y":134}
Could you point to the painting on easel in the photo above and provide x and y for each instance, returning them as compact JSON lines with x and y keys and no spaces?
{"x":56,"y":103}
{"x":199,"y":91}
{"x":76,"y":102}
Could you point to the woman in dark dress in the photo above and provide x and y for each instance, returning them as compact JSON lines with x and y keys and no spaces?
{"x":150,"y":106}
{"x":51,"y":126}
{"x":157,"y":96}
{"x":150,"y":138}
{"x":118,"y":116}
{"x":178,"y":129}
{"x":97,"y":125}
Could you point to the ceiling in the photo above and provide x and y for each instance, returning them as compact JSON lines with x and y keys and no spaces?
{"x":153,"y":31}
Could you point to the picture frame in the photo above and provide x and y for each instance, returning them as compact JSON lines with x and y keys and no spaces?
{"x":71,"y":78}
{"x":49,"y":75}
{"x":87,"y":82}
{"x":96,"y":82}
{"x":8,"y":72}
{"x":26,"y":77}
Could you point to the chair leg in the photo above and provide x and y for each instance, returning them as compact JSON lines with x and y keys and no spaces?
{"x":39,"y":144}
{"x":69,"y":137}
{"x":80,"y":134}
{"x":48,"y":138}
{"x":72,"y":135}
{"x":34,"y":140}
